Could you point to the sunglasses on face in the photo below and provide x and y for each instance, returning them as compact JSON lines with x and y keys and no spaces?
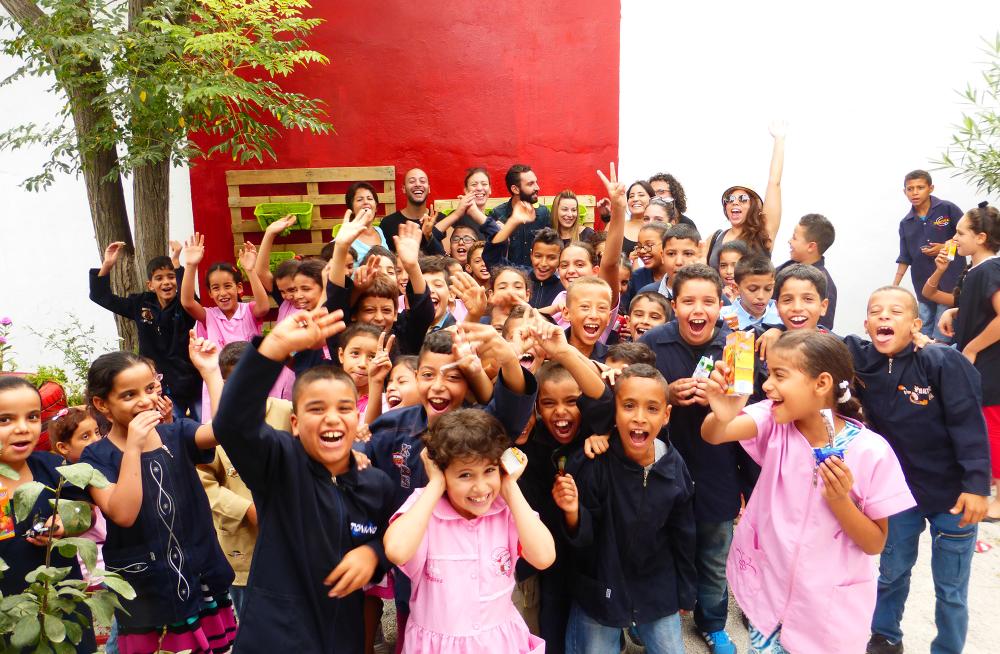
{"x":736,"y":197}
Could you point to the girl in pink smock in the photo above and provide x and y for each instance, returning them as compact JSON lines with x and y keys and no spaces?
{"x":229,"y":320}
{"x":802,"y":563}
{"x":459,"y":538}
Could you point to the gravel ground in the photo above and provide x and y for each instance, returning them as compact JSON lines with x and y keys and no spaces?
{"x":918,"y":621}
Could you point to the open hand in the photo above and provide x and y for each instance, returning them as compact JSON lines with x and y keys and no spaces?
{"x":778,"y":128}
{"x":353,"y":226}
{"x":281,"y":224}
{"x":204,"y":353}
{"x":471,"y":293}
{"x":194,"y":249}
{"x":248,"y":256}
{"x":427,"y":222}
{"x":301,"y":331}
{"x":407,"y":241}
{"x":112,"y":252}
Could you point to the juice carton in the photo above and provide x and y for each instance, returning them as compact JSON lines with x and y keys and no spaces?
{"x":739,"y":356}
{"x":951,"y":249}
{"x":704,"y":368}
{"x":729,"y":316}
{"x":513,"y":460}
{"x":6,"y":513}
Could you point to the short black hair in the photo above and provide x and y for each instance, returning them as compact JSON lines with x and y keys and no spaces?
{"x":696,"y":271}
{"x":439,"y":342}
{"x":660,"y":228}
{"x":230,"y":356}
{"x":656,"y":297}
{"x":819,"y":230}
{"x":753,"y":265}
{"x":286,"y":268}
{"x":802,"y":271}
{"x":632,"y":353}
{"x":316,"y":373}
{"x":682,"y":232}
{"x":736,"y":245}
{"x":644,"y":371}
{"x":379,"y":251}
{"x":513,"y":176}
{"x":158,"y":263}
{"x":547,"y":236}
{"x":918,"y":174}
{"x":436,"y":264}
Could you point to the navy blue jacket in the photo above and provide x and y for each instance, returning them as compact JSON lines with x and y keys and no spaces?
{"x":635,"y":542}
{"x":714,"y":468}
{"x":411,"y":324}
{"x":937,"y":227}
{"x":395,"y":443}
{"x":163,"y":333}
{"x":518,"y":246}
{"x":926,"y":403}
{"x":308,"y":522}
{"x":600,"y":351}
{"x":640,"y":280}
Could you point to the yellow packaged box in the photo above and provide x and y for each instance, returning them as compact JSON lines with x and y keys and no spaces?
{"x":739,"y":356}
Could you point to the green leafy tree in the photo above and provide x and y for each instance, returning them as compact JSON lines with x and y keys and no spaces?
{"x":154,"y":83}
{"x":974,"y":154}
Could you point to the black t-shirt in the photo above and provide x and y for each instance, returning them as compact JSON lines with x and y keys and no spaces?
{"x":975,"y":311}
{"x":390,"y":227}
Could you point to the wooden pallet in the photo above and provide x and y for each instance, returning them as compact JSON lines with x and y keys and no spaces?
{"x":302,"y":185}
{"x":588,"y":201}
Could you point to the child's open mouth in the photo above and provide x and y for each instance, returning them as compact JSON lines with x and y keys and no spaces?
{"x":527,"y":359}
{"x":331,"y":437}
{"x":884,"y":334}
{"x":22,"y":447}
{"x":697,"y":326}
{"x":797,"y":322}
{"x":481,"y":502}
{"x":592,"y":329}
{"x":439,"y":404}
{"x":563,"y":430}
{"x":393,"y":400}
{"x":638,"y":437}
{"x":639,"y":331}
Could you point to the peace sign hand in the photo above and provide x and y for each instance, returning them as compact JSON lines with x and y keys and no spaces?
{"x":616,"y":190}
{"x":380,"y":365}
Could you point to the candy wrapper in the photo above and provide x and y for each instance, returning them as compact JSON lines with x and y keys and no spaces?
{"x":704,"y":368}
{"x":6,"y":513}
{"x":513,"y":460}
{"x":824,"y":453}
{"x":739,"y":356}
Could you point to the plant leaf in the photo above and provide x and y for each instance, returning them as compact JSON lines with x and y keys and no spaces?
{"x":86,"y":548}
{"x":74,"y":632}
{"x":55,"y":631}
{"x":26,"y":632}
{"x":76,"y":516}
{"x":25,"y":498}
{"x":78,"y":474}
{"x":8,"y":472}
{"x":101,"y":608}
{"x":120,"y":586}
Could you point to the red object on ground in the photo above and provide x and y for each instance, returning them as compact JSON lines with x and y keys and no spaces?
{"x":443,"y":88}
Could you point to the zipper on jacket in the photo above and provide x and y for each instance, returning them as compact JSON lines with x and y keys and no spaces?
{"x":890,"y":365}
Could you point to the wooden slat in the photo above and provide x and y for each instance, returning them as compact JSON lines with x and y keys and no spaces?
{"x":300,"y":175}
{"x":388,"y":196}
{"x":314,"y":198}
{"x":245,"y":226}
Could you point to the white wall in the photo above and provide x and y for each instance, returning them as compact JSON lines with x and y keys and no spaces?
{"x":867,"y":87}
{"x":48,"y":241}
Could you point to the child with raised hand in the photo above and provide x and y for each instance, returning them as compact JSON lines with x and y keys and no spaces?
{"x":926,"y":402}
{"x":629,"y":517}
{"x":459,"y":538}
{"x":160,"y":534}
{"x":316,"y":510}
{"x":274,"y":283}
{"x":161,"y":321}
{"x":800,"y":564}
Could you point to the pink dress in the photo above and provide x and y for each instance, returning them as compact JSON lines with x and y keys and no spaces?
{"x":283,"y":387}
{"x":243,"y":326}
{"x":462,"y":577}
{"x":790,"y":564}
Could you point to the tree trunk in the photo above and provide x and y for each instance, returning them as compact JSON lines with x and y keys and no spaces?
{"x":151,"y":207}
{"x":105,"y":192}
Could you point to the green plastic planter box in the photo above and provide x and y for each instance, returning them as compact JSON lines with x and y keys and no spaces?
{"x":269,"y":212}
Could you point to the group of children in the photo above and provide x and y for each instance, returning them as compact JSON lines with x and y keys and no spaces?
{"x":359,"y":452}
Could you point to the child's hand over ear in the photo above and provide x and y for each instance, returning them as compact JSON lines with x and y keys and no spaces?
{"x":141,"y":427}
{"x":303,"y":330}
{"x":435,"y":477}
{"x":564,"y":494}
{"x":837,"y":480}
{"x":354,"y":571}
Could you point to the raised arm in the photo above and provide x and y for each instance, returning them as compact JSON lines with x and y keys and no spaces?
{"x":378,"y":368}
{"x":175,"y":254}
{"x":725,"y":424}
{"x":616,"y":233}
{"x":204,"y":354}
{"x":407,"y":242}
{"x":404,"y":535}
{"x":261,"y":299}
{"x":100,"y":285}
{"x":263,"y":266}
{"x":522,"y":213}
{"x":537,"y":545}
{"x":553,"y":341}
{"x":930,"y":289}
{"x":350,"y":230}
{"x":772,"y":196}
{"x":194,"y":252}
{"x":121,"y":501}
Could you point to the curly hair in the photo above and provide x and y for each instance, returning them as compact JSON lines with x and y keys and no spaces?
{"x":676,"y":190}
{"x":465,"y":434}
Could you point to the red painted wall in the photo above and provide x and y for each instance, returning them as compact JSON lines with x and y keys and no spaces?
{"x":447,"y":85}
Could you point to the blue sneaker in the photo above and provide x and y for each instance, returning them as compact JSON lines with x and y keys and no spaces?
{"x":719,"y":642}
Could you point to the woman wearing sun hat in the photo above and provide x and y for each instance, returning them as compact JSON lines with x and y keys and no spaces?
{"x":752,"y":220}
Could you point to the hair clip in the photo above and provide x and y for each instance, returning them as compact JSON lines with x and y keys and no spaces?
{"x":61,"y":414}
{"x":984,"y":204}
{"x":845,"y":395}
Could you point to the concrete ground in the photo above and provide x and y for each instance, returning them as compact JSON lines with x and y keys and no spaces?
{"x":918,"y":621}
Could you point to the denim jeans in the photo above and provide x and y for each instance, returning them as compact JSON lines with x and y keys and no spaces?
{"x":587,"y":636}
{"x":712,"y":600}
{"x":951,"y":558}
{"x":930,"y":313}
{"x":239,"y":596}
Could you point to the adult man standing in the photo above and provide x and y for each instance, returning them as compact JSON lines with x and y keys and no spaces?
{"x":417,"y":188}
{"x":520,"y":226}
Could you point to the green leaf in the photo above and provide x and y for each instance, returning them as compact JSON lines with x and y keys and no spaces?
{"x":120,"y":586}
{"x":45,"y":573}
{"x":87,"y":549}
{"x":8,"y":472}
{"x":26,"y":632}
{"x":102,"y":609}
{"x":8,"y":603}
{"x":25,"y":498}
{"x":55,"y":631}
{"x":76,"y":516}
{"x":65,"y":647}
{"x":98,"y":480}
{"x":74,"y":632}
{"x":78,"y":474}
{"x":42,"y":648}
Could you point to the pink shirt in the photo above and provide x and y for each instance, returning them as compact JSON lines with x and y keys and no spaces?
{"x":790,"y":563}
{"x":241,"y":327}
{"x":462,"y":576}
{"x":283,"y":387}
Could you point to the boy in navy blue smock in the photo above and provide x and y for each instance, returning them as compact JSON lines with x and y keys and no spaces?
{"x":162,"y":323}
{"x":925,"y":229}
{"x":926,"y":403}
{"x":321,"y":519}
{"x":679,"y":345}
{"x":629,"y":517}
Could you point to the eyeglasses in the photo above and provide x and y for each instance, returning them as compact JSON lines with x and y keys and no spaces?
{"x":465,"y":240}
{"x":742,"y":197}
{"x":645,"y":247}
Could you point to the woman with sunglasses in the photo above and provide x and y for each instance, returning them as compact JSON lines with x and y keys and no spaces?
{"x":751,"y":220}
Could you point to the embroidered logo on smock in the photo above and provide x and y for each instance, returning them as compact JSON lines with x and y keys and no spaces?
{"x":501,"y":561}
{"x":942,"y":221}
{"x":399,"y":460}
{"x":745,"y":562}
{"x":147,"y":315}
{"x":363,"y":529}
{"x":919,"y":395}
